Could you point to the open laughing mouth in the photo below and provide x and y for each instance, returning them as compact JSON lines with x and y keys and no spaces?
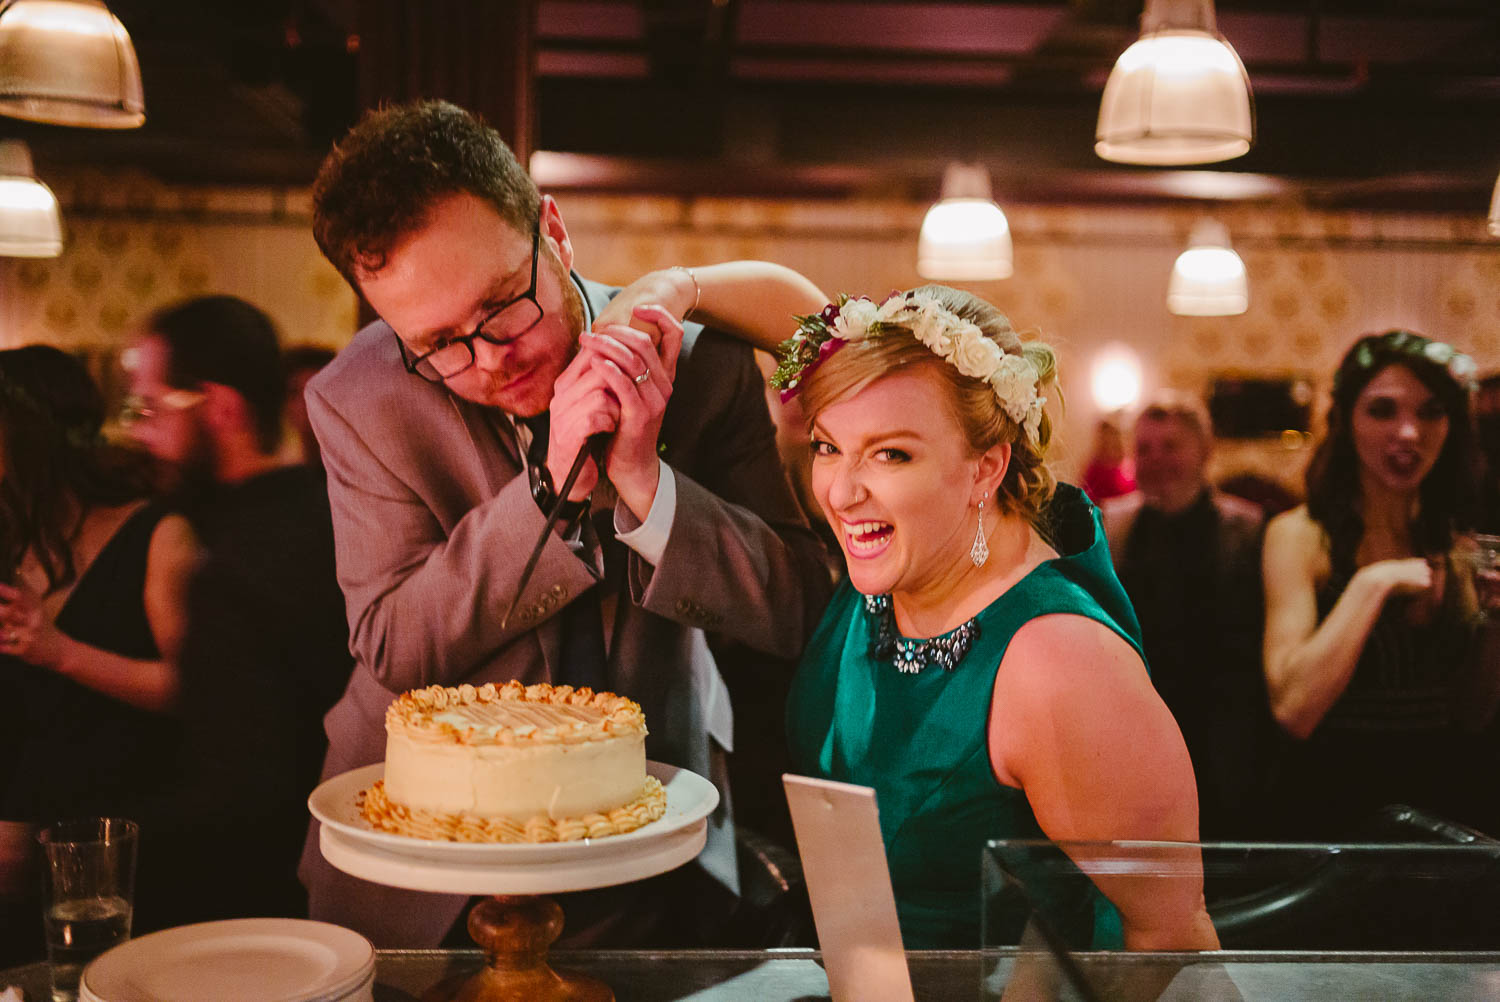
{"x":1403,"y":463}
{"x":867,"y":538}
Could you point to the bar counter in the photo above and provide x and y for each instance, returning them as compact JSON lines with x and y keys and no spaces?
{"x":942,"y":976}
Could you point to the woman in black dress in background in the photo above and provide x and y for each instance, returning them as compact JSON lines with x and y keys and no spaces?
{"x":92,"y":609}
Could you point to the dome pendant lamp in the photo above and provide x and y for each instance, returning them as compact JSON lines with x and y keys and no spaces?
{"x":1208,"y":279}
{"x":965,"y":237}
{"x":1178,"y":95}
{"x":68,"y":62}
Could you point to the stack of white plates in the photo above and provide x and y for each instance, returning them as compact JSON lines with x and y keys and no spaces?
{"x":238,"y":960}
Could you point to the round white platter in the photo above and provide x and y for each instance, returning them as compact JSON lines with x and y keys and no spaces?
{"x":349,"y":843}
{"x":248,"y":960}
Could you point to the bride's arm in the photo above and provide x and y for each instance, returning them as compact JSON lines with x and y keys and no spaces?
{"x":1076,"y":724}
{"x":754,"y":300}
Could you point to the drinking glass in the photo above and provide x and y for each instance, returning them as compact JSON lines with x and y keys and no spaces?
{"x":1482,"y":555}
{"x":88,"y":890}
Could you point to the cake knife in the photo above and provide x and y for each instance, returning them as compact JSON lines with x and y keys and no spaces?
{"x":593,"y":448}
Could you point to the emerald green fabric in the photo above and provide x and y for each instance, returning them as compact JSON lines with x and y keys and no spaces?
{"x":920,"y":741}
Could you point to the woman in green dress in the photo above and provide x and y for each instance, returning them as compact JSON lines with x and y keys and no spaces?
{"x":981,"y":667}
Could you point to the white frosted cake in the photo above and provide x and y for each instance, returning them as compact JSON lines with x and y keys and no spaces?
{"x":513,"y":763}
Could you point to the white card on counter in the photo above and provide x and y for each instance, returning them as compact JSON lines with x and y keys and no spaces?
{"x":843,"y":861}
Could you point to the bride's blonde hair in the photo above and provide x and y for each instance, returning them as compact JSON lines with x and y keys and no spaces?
{"x":1028,"y":484}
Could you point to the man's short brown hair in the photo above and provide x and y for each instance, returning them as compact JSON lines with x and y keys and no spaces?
{"x":378,"y":184}
{"x":1180,"y":406}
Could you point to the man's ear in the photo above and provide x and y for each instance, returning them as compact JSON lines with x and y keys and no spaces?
{"x":554,"y":229}
{"x":993,"y":463}
{"x":224,"y":410}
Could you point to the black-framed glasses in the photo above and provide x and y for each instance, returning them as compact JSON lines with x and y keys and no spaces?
{"x":503,"y":325}
{"x":135,"y":409}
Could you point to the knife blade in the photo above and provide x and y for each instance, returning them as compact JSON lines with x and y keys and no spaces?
{"x":593,"y":448}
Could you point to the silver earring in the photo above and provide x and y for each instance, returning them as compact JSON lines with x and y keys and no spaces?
{"x":980,"y":551}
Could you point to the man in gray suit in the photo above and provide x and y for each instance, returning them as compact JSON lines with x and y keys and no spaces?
{"x":445,"y":427}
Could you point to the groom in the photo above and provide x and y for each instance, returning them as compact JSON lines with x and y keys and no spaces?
{"x":446,"y":428}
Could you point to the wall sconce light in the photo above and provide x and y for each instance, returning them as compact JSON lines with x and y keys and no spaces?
{"x":1115,"y":377}
{"x":30,"y":225}
{"x":1208,"y":279}
{"x":1179,"y":94}
{"x":965,"y":236}
{"x":68,"y":62}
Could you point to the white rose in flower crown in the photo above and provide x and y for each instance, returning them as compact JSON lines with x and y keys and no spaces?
{"x":1033,"y":422}
{"x":1014,"y":381}
{"x":930,"y":324}
{"x":888,"y":309}
{"x":1462,"y":368}
{"x":854,"y":319}
{"x":975,"y":355}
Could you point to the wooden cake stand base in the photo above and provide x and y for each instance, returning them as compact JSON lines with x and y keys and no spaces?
{"x":515,"y":930}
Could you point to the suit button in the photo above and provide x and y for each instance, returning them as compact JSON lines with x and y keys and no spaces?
{"x":684,"y":606}
{"x":559,"y":591}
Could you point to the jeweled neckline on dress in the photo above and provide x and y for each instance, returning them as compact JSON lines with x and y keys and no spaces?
{"x":910,"y":656}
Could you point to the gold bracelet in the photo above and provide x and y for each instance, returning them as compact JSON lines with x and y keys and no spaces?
{"x":697,"y":289}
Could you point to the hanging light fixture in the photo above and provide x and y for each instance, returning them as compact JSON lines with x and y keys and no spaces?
{"x":965,"y":237}
{"x":1495,"y":210}
{"x":68,"y":62}
{"x":1208,"y":279}
{"x":30,"y":225}
{"x":1179,"y":94}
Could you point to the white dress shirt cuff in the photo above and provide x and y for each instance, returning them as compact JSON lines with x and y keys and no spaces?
{"x":649,"y":538}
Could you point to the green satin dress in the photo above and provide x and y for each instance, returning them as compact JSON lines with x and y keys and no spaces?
{"x":920,"y":739}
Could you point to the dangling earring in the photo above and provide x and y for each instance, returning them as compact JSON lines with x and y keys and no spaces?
{"x":980,"y":551}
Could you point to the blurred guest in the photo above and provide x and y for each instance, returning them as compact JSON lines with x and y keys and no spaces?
{"x":1487,"y":419}
{"x":93,"y":584}
{"x":299,"y":364}
{"x":265,"y":653}
{"x":981,"y":668}
{"x":1108,"y":473}
{"x":1189,"y":558}
{"x":1376,"y":668}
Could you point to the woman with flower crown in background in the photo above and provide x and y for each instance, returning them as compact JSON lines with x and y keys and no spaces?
{"x":1377,"y":664}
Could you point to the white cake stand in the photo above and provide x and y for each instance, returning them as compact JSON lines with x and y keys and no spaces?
{"x":516,"y":925}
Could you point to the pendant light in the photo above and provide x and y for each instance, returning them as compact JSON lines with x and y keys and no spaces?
{"x":68,"y":62}
{"x":30,"y":225}
{"x":1179,"y":94}
{"x":1208,"y":279}
{"x":965,"y":237}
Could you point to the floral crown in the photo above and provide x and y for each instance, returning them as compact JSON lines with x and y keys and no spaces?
{"x":955,"y":340}
{"x":1379,"y":350}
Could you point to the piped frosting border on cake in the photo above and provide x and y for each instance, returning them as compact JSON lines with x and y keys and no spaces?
{"x":413,"y":713}
{"x":386,"y":816}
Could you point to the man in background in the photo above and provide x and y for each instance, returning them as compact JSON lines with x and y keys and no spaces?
{"x":1189,"y":558}
{"x":266,"y":652}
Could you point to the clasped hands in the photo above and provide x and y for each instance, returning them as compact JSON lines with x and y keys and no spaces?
{"x":619,"y":383}
{"x":25,"y":630}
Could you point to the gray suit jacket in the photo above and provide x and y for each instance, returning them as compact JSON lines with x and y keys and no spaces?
{"x":433,"y":520}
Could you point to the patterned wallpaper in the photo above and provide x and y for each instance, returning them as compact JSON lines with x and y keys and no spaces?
{"x":1086,"y":276}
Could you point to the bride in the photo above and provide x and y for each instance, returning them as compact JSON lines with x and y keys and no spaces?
{"x":981,"y":666}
